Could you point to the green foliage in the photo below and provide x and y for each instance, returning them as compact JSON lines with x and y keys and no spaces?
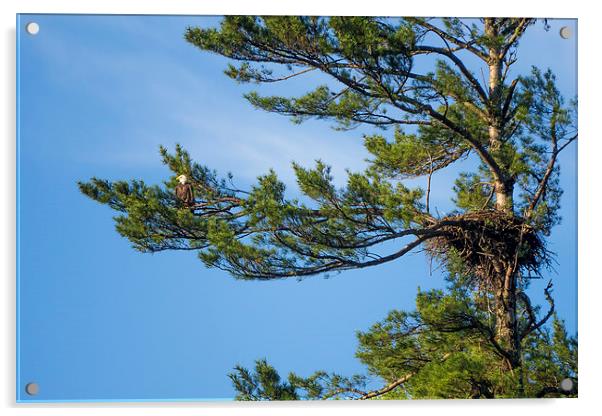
{"x":550,"y":356}
{"x":263,"y":384}
{"x":445,"y":350}
{"x":259,"y":233}
{"x":414,"y":155}
{"x":548,"y":127}
{"x":473,"y":192}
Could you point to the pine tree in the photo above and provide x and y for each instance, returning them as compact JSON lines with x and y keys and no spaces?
{"x":424,"y":121}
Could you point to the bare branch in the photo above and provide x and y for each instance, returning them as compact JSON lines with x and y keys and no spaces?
{"x":539,"y":324}
{"x":541,"y":188}
{"x":284,"y":78}
{"x":401,"y":380}
{"x":569,"y":141}
{"x":387,"y":388}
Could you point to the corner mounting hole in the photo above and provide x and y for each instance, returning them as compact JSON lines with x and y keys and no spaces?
{"x":32,"y":28}
{"x":567,"y":385}
{"x":565,"y":32}
{"x":32,"y":389}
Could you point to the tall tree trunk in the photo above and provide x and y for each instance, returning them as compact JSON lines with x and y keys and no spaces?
{"x":506,"y":320}
{"x":505,"y":292}
{"x":503,"y":187}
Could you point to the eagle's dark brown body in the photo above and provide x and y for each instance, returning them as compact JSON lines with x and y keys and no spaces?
{"x":184,"y":194}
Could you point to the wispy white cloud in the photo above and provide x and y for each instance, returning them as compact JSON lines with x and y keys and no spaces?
{"x":249,"y":148}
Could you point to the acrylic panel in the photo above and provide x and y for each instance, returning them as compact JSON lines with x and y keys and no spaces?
{"x":295,"y":208}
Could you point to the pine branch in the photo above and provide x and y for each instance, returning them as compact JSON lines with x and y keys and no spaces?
{"x":469,"y":46}
{"x":387,"y":388}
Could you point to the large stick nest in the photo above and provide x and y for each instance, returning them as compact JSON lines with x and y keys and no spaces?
{"x":489,"y":243}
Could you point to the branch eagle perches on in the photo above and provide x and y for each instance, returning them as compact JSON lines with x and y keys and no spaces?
{"x":259,"y":233}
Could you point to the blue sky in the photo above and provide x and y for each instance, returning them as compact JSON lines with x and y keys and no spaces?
{"x":100,"y":321}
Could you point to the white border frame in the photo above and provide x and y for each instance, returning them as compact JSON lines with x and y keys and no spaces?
{"x":590,"y":149}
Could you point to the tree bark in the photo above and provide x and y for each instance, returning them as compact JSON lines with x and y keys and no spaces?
{"x":507,"y":332}
{"x":506,"y":321}
{"x":503,"y":186}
